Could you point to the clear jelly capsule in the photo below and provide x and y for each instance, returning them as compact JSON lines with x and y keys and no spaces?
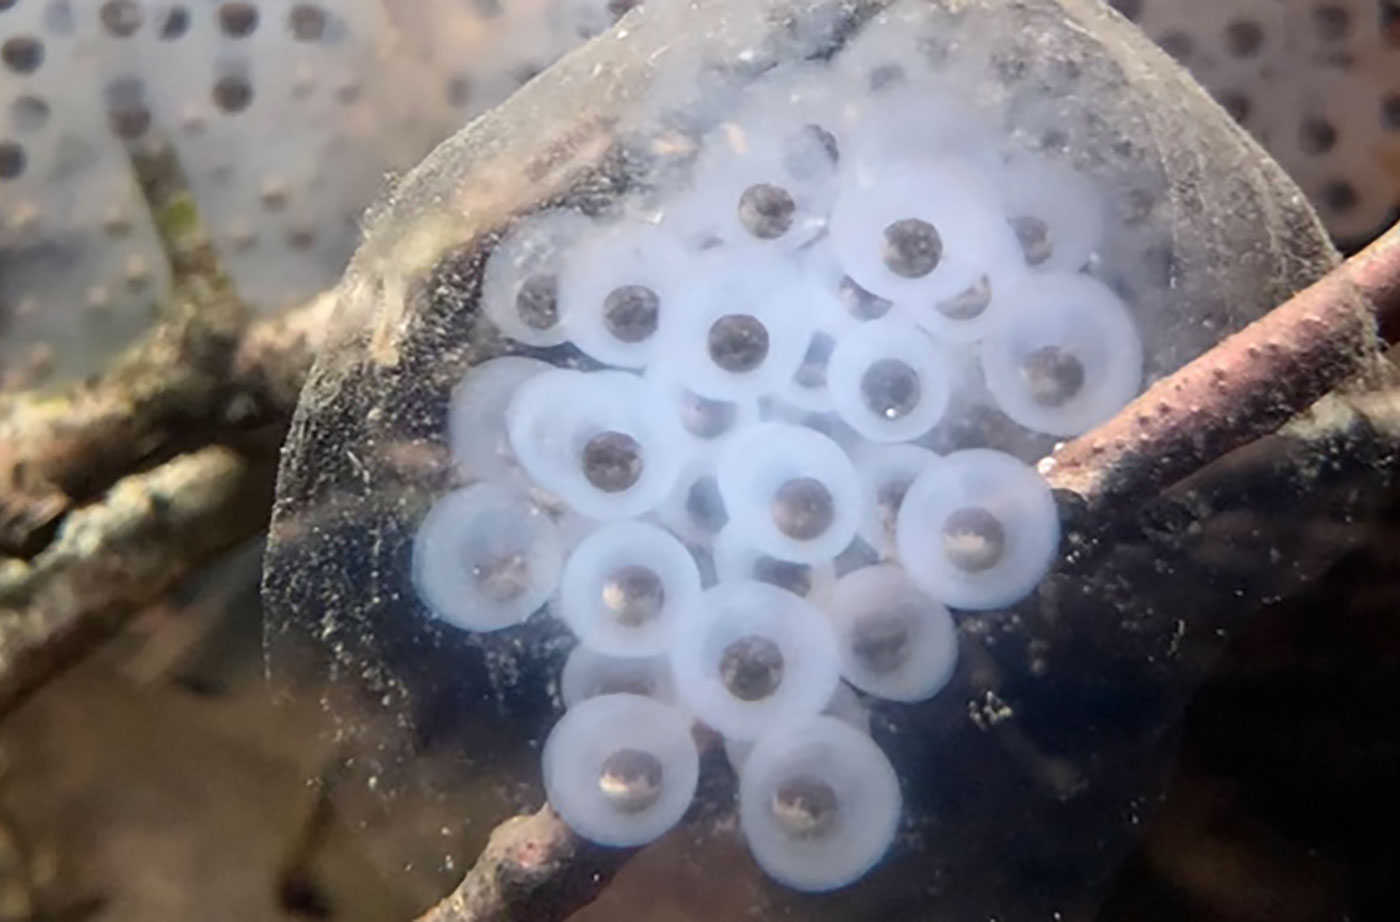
{"x":520,"y":284}
{"x":744,"y":333}
{"x":627,"y":587}
{"x":889,"y":381}
{"x":617,"y":289}
{"x":621,"y":769}
{"x":1056,"y":213}
{"x":476,"y":423}
{"x":978,"y":530}
{"x":886,"y":473}
{"x":1067,"y":357}
{"x":605,"y":442}
{"x":760,"y":659}
{"x":920,"y":233}
{"x":485,"y":558}
{"x":791,"y":491}
{"x":736,"y":559}
{"x":819,"y":804}
{"x":896,"y":642}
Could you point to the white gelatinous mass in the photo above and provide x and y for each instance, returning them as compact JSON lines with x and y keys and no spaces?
{"x":819,"y":804}
{"x":621,"y":769}
{"x":484,"y":558}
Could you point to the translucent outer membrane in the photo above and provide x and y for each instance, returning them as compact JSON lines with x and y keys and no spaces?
{"x":845,"y":705}
{"x":1062,"y":316}
{"x":755,"y":467}
{"x":737,"y":612}
{"x":1021,"y":510}
{"x":839,"y":762}
{"x":576,"y":756}
{"x":556,"y":415}
{"x":953,"y":198}
{"x":484,"y":558}
{"x":736,"y":559}
{"x":886,"y":473}
{"x":896,"y":642}
{"x":588,"y":674}
{"x":476,"y":426}
{"x":523,"y":272}
{"x":889,"y":382}
{"x":627,"y":587}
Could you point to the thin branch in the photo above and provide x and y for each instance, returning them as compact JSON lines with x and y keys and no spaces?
{"x":533,"y":867}
{"x":1247,"y":386}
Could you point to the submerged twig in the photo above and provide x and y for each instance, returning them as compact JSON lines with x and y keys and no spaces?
{"x":1247,"y":386}
{"x":533,"y":867}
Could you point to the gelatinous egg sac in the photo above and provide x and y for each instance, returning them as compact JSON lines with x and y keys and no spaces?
{"x":727,"y":485}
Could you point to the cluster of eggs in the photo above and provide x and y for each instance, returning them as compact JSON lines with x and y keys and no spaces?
{"x":724,"y":483}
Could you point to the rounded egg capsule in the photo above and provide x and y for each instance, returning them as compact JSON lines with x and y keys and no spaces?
{"x":886,"y":473}
{"x":588,"y":673}
{"x":476,"y":423}
{"x":1056,"y":213}
{"x":896,"y":642}
{"x":889,"y":381}
{"x":484,"y":558}
{"x":735,"y":559}
{"x":520,"y":284}
{"x":707,"y":421}
{"x":766,"y":178}
{"x":761,"y":658}
{"x":1067,"y":358}
{"x":627,"y":587}
{"x":791,"y":491}
{"x":920,"y":234}
{"x":819,"y":804}
{"x":621,"y":770}
{"x":605,"y":442}
{"x":744,"y":333}
{"x":978,"y":530}
{"x":616,"y":289}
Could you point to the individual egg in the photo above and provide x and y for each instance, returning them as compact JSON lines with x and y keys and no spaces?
{"x":617,"y":291}
{"x":744,"y":332}
{"x":736,"y":559}
{"x":485,"y":558}
{"x":889,"y":381}
{"x":605,"y":442}
{"x":791,"y":491}
{"x":520,"y":284}
{"x":707,"y":421}
{"x":819,"y":804}
{"x":845,"y":705}
{"x":978,"y":530}
{"x":920,"y":233}
{"x":476,"y":422}
{"x":627,"y":587}
{"x":1055,"y":211}
{"x":1067,"y":357}
{"x":760,"y":659}
{"x":588,"y":673}
{"x":886,"y":473}
{"x":620,"y":770}
{"x":896,"y":642}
